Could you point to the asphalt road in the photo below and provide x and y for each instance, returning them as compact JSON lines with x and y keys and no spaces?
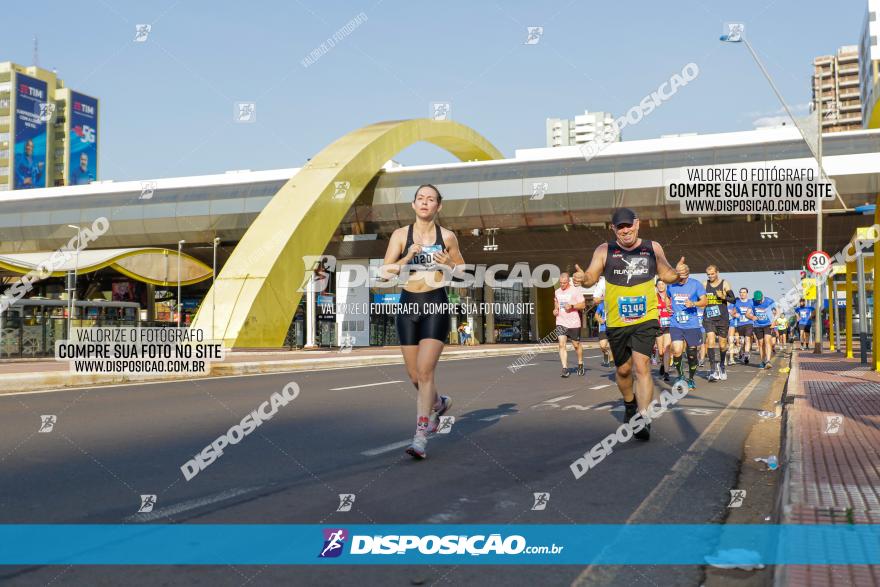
{"x":515,"y":434}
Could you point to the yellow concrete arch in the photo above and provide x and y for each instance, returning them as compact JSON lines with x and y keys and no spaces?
{"x":255,"y":296}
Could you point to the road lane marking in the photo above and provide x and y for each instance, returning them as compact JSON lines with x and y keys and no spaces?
{"x":673,"y":482}
{"x":601,"y":386}
{"x":183,"y":379}
{"x":190,"y":505}
{"x":493,"y":418}
{"x":364,"y":385}
{"x":387,"y":448}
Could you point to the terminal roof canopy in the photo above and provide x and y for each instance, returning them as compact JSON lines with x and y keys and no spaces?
{"x":157,"y":266}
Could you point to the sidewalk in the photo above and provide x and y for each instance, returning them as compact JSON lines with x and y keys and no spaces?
{"x":30,"y":375}
{"x":832,"y":472}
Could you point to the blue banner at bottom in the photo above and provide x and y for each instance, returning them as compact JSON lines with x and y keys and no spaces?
{"x":600,"y":544}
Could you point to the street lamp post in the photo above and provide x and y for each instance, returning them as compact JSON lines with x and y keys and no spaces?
{"x":735,"y":35}
{"x":213,"y":278}
{"x":71,"y":293}
{"x":179,"y":301}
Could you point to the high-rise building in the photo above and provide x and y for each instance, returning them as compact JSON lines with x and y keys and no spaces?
{"x":48,"y":133}
{"x":869,"y":72}
{"x":836,"y":80}
{"x":562,"y":132}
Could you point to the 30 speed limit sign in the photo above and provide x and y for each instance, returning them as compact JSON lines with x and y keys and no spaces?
{"x":819,"y":262}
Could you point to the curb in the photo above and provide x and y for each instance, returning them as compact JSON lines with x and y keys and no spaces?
{"x":791,"y":459}
{"x":19,"y":382}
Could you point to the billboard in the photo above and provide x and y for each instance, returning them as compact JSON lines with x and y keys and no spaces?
{"x":83,"y":139}
{"x":31,"y":121}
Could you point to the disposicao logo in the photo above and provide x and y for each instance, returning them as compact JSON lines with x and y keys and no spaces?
{"x":334,"y":542}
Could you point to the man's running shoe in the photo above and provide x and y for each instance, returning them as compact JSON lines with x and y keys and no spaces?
{"x":724,"y":376}
{"x":581,"y":370}
{"x":691,"y":384}
{"x":768,"y":365}
{"x":761,"y":365}
{"x":629,"y":410}
{"x":644,"y":433}
{"x":565,"y":373}
{"x":666,"y":377}
{"x":745,"y":359}
{"x":417,"y":447}
{"x":437,"y":412}
{"x":714,"y":376}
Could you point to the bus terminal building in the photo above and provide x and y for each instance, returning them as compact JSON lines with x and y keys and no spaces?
{"x":240,"y":245}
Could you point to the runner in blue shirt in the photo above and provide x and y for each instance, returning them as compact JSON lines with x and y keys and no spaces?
{"x":686,"y":296}
{"x":744,"y":310}
{"x":805,"y":322}
{"x":603,"y":334}
{"x":731,"y":333}
{"x":763,"y":307}
{"x":702,"y":354}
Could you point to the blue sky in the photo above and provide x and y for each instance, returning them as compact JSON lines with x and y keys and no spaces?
{"x":167,"y":104}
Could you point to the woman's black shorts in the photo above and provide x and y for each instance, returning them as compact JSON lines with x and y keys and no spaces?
{"x":421,"y":317}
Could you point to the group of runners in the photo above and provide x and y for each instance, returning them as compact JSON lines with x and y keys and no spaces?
{"x":722,"y":326}
{"x":648,"y":312}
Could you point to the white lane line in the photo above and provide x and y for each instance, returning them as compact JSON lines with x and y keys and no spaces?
{"x":601,"y":386}
{"x":673,"y":482}
{"x":365,"y":385}
{"x":387,"y":448}
{"x":190,"y":505}
{"x":493,"y":418}
{"x":184,"y":379}
{"x":555,"y":399}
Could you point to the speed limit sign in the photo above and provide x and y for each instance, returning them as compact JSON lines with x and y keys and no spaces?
{"x":819,"y":262}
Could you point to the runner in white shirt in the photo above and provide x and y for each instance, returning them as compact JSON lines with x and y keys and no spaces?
{"x":567,"y":305}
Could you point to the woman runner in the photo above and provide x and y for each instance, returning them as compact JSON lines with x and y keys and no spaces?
{"x":421,"y":327}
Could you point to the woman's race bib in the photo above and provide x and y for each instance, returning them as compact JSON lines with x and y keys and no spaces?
{"x":425,"y":259}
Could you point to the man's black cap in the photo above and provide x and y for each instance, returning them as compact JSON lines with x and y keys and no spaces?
{"x":623,"y":216}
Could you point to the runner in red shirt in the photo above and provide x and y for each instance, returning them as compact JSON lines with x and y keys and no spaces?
{"x":665,"y":339}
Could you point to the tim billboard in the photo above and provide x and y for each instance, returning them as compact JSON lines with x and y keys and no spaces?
{"x":83,"y":139}
{"x":31,"y":120}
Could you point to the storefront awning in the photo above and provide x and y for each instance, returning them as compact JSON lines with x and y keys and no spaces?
{"x":153,"y":265}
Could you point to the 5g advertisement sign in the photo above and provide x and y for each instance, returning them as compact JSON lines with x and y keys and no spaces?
{"x":83,"y":139}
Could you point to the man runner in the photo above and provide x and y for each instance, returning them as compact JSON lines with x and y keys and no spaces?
{"x":567,"y":305}
{"x":764,"y":327}
{"x":731,"y":333}
{"x":805,"y":315}
{"x":687,"y":295}
{"x":629,"y":264}
{"x":716,"y":320}
{"x":745,"y":314}
{"x":781,"y":324}
{"x":702,"y":350}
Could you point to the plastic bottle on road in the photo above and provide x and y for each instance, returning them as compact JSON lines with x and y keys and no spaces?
{"x":772,"y":462}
